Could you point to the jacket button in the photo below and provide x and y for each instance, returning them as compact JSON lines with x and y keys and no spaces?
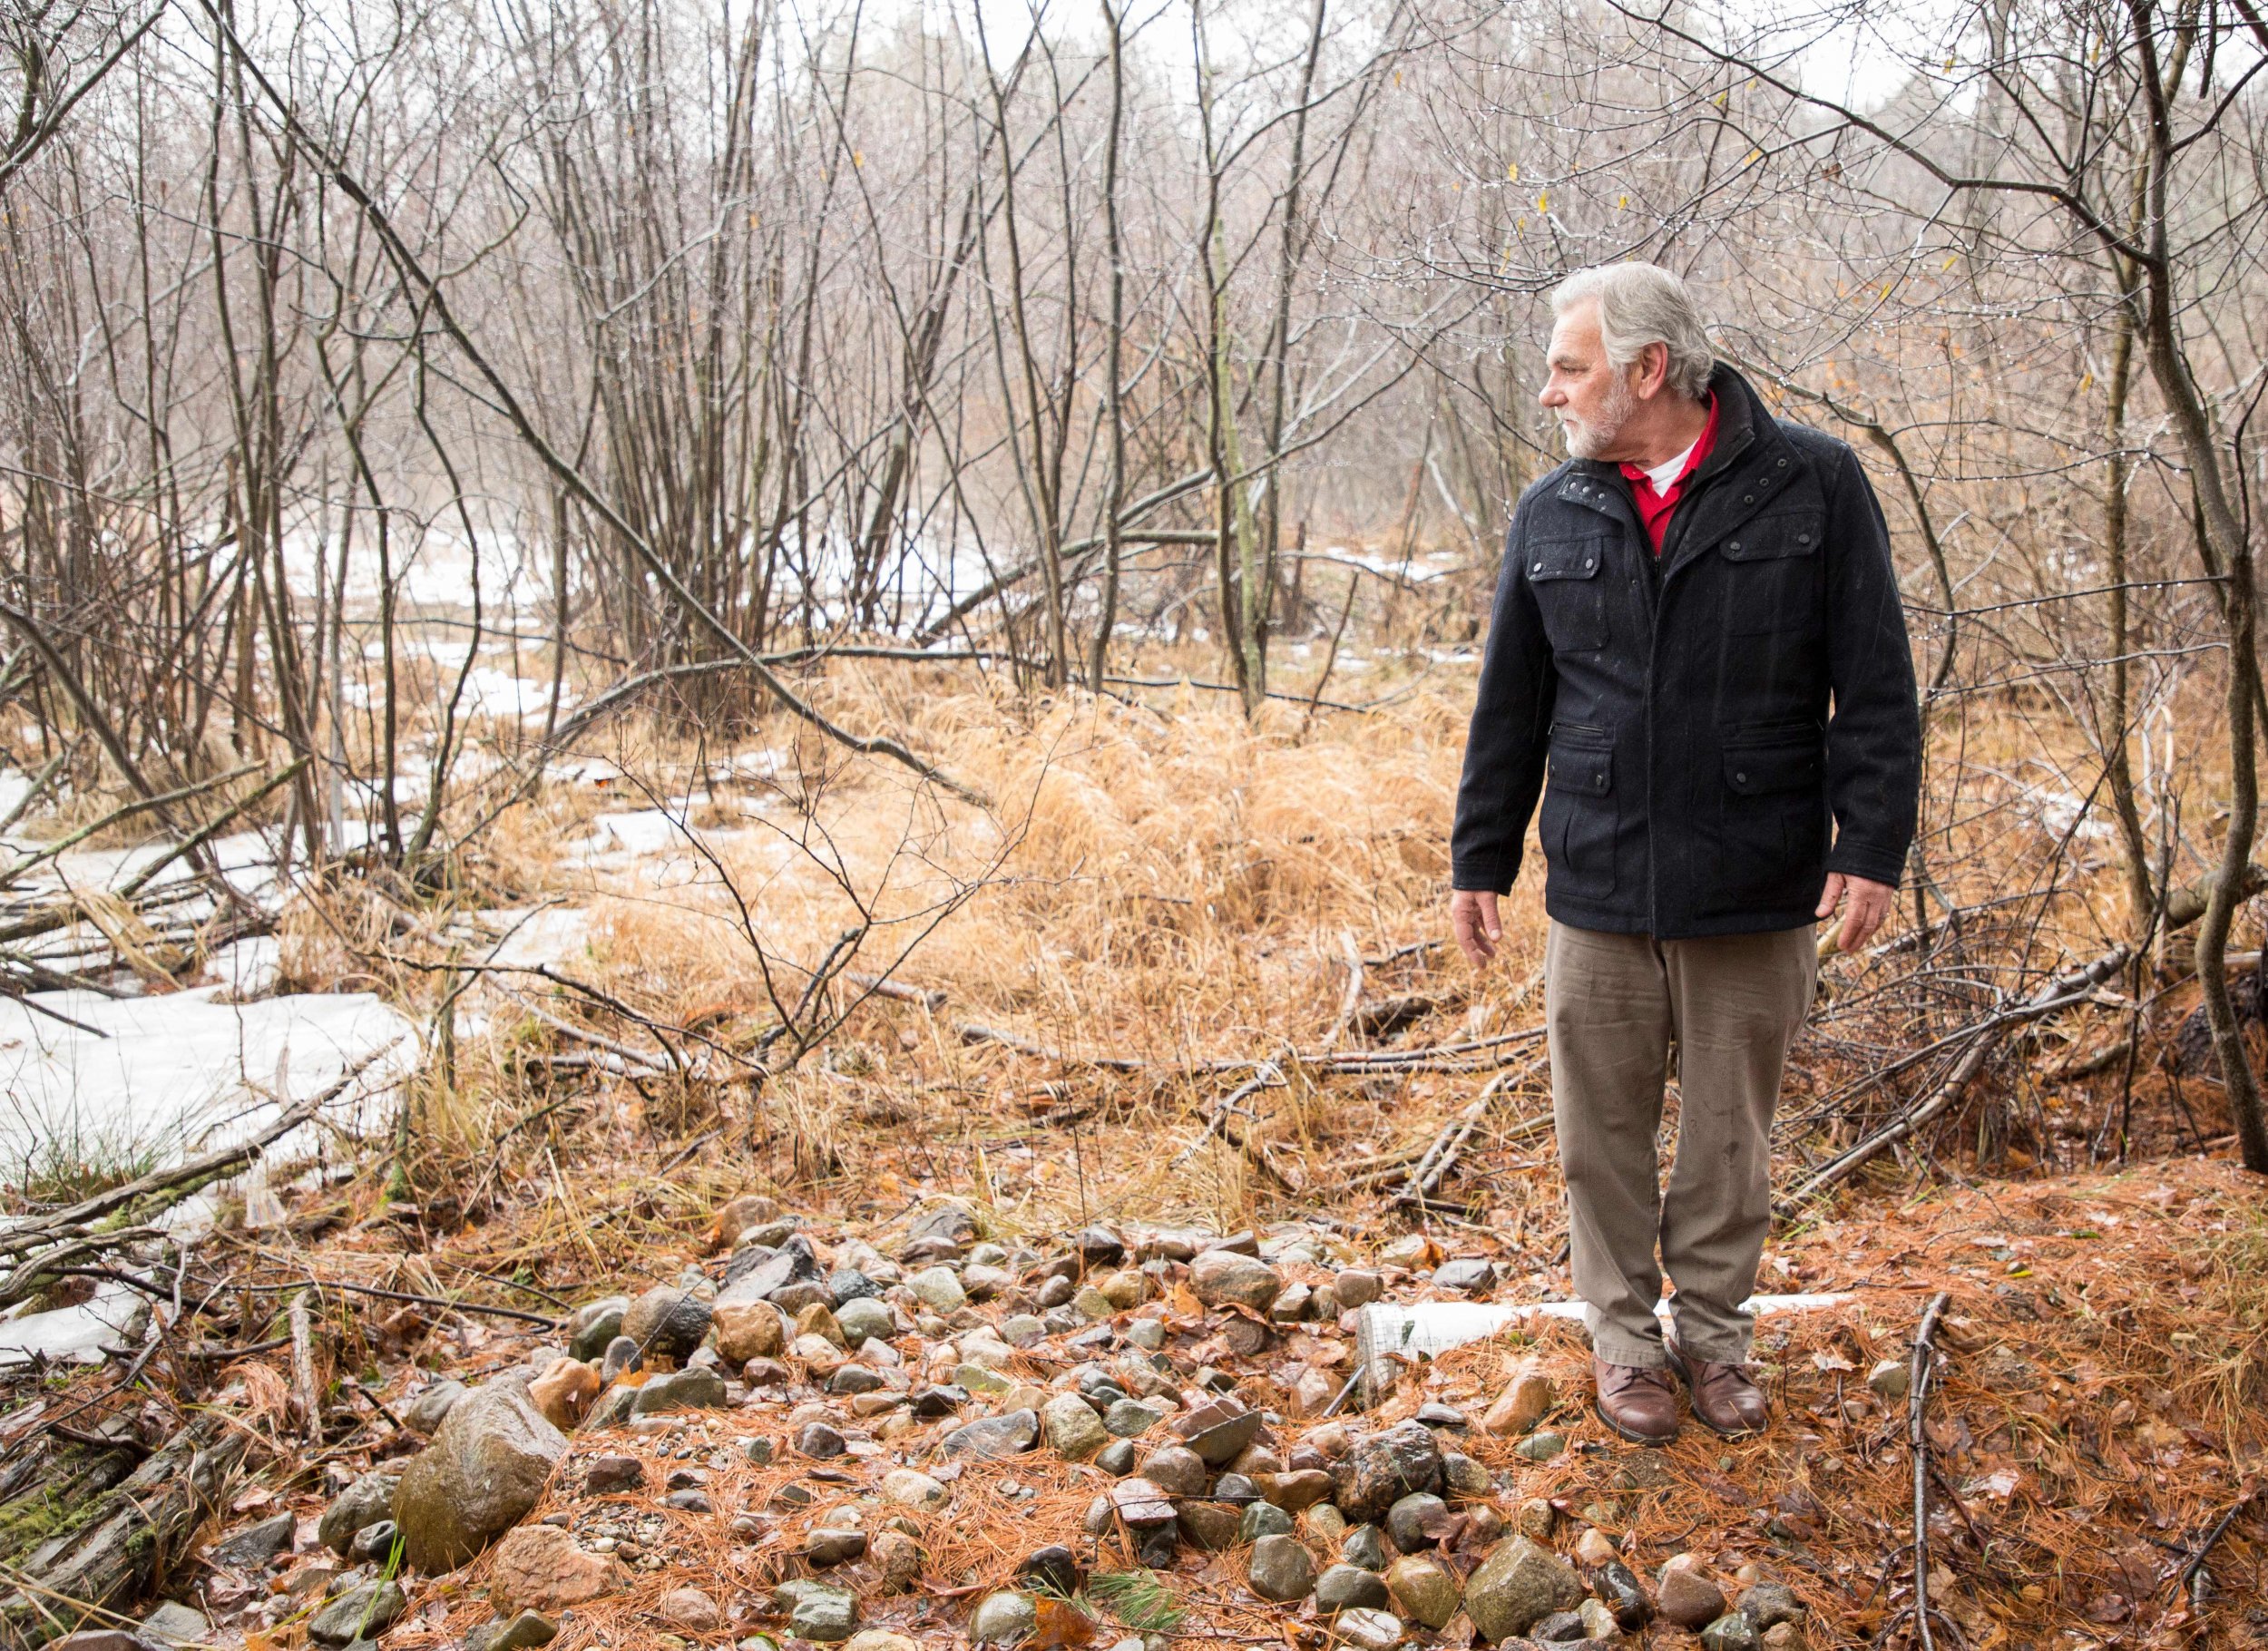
{"x":1732,"y":544}
{"x":1740,"y":779}
{"x":1590,"y":562}
{"x":1536,"y":569}
{"x":1783,"y":463}
{"x":1803,"y":538}
{"x":1599,"y":779}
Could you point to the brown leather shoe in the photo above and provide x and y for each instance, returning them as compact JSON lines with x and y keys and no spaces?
{"x":1723,"y":1398}
{"x":1639,"y":1403}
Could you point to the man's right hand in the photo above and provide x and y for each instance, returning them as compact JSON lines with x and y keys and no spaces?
{"x":1472,"y":919}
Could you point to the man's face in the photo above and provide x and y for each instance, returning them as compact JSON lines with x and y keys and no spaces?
{"x":1593,"y":400}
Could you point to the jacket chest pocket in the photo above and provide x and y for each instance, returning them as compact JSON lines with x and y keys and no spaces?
{"x":1571,"y":597}
{"x":1773,"y":585}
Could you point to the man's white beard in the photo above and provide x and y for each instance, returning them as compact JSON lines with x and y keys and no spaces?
{"x":1590,"y":441}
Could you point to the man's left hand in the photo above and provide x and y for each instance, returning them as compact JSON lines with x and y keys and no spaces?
{"x":1864,"y":904}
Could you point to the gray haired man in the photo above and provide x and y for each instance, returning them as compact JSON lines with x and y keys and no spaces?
{"x":1697,"y":659}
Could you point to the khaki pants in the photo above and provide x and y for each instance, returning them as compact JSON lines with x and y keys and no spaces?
{"x":1614,"y":1002}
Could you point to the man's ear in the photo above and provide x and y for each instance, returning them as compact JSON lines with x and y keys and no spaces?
{"x":1652,"y":364}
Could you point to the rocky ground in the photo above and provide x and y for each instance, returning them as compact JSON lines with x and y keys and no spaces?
{"x":912,"y":1436}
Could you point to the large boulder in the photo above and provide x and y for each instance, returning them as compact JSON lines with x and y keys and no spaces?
{"x":1517,"y":1586}
{"x":478,"y":1478}
{"x":666,"y":1321}
{"x":1383,"y":1468}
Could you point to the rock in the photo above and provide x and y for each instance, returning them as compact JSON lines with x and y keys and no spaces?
{"x":1526,"y":1399}
{"x":364,"y":1502}
{"x":1365,"y":1546}
{"x":1517,"y":1586}
{"x":737,"y":1216}
{"x":564,"y":1393}
{"x":100,"y":1639}
{"x":1056,"y":1292}
{"x":930,"y":1403}
{"x":1054,"y":1568}
{"x":608,"y":1475}
{"x":1561,"y":1628}
{"x":819,"y":1441}
{"x":1098,"y":1246}
{"x":1435,"y":1415}
{"x":911,"y":1488}
{"x":1092,"y":1304}
{"x":824,"y":1547}
{"x":1465,"y":1275}
{"x":863,"y":1319}
{"x":1117,"y":1458}
{"x":991,"y":1438}
{"x":1783,"y":1636}
{"x":1123,"y":1291}
{"x":173,"y":1624}
{"x":1074,"y":1432}
{"x":879,"y":1639}
{"x":695,"y":1389}
{"x":1462,"y":1478}
{"x":1731,"y":1632}
{"x":363,"y":1612}
{"x":1176,"y":1470}
{"x":375,"y":1544}
{"x":1599,"y":1622}
{"x":816,"y":1611}
{"x":750,"y":1330}
{"x":1291,"y":1306}
{"x":425,"y":1414}
{"x":939,"y":1289}
{"x":1324,"y":1524}
{"x":594,"y":1325}
{"x":666,"y":1321}
{"x":1357,"y":1287}
{"x":1770,"y":1604}
{"x":688,"y":1607}
{"x":621,"y":1354}
{"x":1002,"y":1617}
{"x":1281,"y":1569}
{"x":1210,"y":1525}
{"x":819,"y":1319}
{"x":1224,"y":1277}
{"x":756,"y":1273}
{"x":896,"y":1559}
{"x":1422,"y":1589}
{"x":1618,"y":1588}
{"x":477,"y":1480}
{"x":1344,"y":1586}
{"x":1142,"y":1503}
{"x":1413,"y":1525}
{"x":1263,"y":1519}
{"x":853,"y":1379}
{"x":1593,"y":1546}
{"x":1687,"y":1596}
{"x":1295,"y":1492}
{"x":1368,"y":1630}
{"x":1888,"y":1381}
{"x":254,"y":1546}
{"x":519,"y":1633}
{"x":1383,"y":1468}
{"x":1021,"y":1330}
{"x":947,"y":1222}
{"x":540,"y":1567}
{"x":1219,"y":1428}
{"x":1540,"y":1446}
{"x":1313,"y":1392}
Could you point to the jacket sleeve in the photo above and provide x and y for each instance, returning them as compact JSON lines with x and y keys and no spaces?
{"x":1506,"y":744}
{"x":1875,"y":730}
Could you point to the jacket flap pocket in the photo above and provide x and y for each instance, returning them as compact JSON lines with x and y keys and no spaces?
{"x":1580,"y":766}
{"x":1787,"y":533}
{"x":1787,"y":764}
{"x":1566,"y":559}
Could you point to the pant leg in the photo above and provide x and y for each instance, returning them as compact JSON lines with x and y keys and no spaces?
{"x":1607,"y":1007}
{"x":1737,"y":1001}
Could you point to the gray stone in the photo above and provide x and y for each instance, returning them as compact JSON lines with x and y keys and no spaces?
{"x":866,"y":1318}
{"x":1415,"y":1520}
{"x":666,"y":1321}
{"x":1383,"y":1468}
{"x":1147,"y":1334}
{"x":608,"y":1475}
{"x":1731,"y":1632}
{"x":1368,"y":1630}
{"x":1770,"y":1604}
{"x":1220,"y":1430}
{"x":1117,"y":1458}
{"x":1210,"y":1525}
{"x":520,"y":1633}
{"x":1021,"y":1330}
{"x":816,"y":1611}
{"x":819,"y":1441}
{"x":1281,"y":1569}
{"x":478,"y":1478}
{"x":696,"y":1389}
{"x":1364,"y":1545}
{"x":1357,"y":1287}
{"x":1348,"y":1587}
{"x":948,"y":1224}
{"x":758,"y":1275}
{"x":1517,"y":1586}
{"x":359,"y":1613}
{"x":255,"y":1545}
{"x":364,"y":1502}
{"x":1176,"y":1470}
{"x":1224,"y":1277}
{"x":425,"y":1413}
{"x":1687,"y":1597}
{"x":1599,"y":1620}
{"x":939,"y":1289}
{"x":1074,"y":1432}
{"x":1562,"y":1628}
{"x":1003,"y":1617}
{"x":1542,"y":1445}
{"x":1142,"y":1503}
{"x":1464,"y":1276}
{"x":825,"y":1547}
{"x":1129,"y":1418}
{"x":375,"y":1544}
{"x":175,"y":1624}
{"x":991,"y":1438}
{"x":1263,"y":1519}
{"x":594,"y":1325}
{"x":1423,"y":1589}
{"x":621,"y":1354}
{"x":849,"y":1284}
{"x":1618,"y":1586}
{"x":1889,"y":1380}
{"x":1462,"y":1478}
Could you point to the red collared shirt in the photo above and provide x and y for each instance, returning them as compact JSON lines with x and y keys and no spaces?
{"x":1655,"y":509}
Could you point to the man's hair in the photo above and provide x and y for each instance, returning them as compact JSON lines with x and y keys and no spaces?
{"x":1642,"y":304}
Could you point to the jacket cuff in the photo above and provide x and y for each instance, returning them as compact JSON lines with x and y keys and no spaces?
{"x":1860,"y":860}
{"x":1489,"y":879}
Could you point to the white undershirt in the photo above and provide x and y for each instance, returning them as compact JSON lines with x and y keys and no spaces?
{"x":1662,"y":475}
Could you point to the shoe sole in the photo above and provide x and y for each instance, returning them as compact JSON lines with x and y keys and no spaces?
{"x":1631,"y":1434}
{"x":1677,"y":1364}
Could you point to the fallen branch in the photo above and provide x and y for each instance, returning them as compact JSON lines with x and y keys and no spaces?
{"x":1449,"y":1145}
{"x":1923,"y":1367}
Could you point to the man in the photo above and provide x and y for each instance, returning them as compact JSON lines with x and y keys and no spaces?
{"x":1698,"y":657}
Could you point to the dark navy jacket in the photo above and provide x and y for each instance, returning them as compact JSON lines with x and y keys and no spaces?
{"x":1711,"y":735}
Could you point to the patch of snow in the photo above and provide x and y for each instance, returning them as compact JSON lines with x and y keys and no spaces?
{"x":247,"y":968}
{"x":75,"y":1335}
